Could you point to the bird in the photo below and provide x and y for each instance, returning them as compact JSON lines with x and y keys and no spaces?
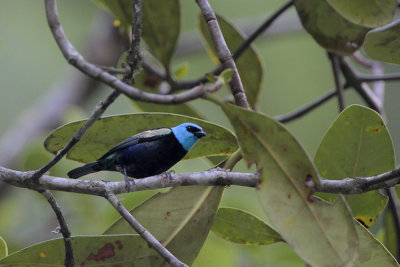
{"x":147,"y":153}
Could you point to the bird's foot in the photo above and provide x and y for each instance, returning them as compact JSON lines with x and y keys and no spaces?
{"x":128,"y":181}
{"x":168,"y":175}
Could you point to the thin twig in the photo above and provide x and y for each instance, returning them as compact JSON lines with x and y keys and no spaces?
{"x":98,"y":111}
{"x":263,"y":27}
{"x":74,"y":58}
{"x":69,"y":254}
{"x":336,"y":75}
{"x":180,"y":85}
{"x":223,"y":53}
{"x":306,"y":108}
{"x":146,"y":235}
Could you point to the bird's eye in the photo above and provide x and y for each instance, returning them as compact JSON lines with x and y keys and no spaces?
{"x":192,"y":129}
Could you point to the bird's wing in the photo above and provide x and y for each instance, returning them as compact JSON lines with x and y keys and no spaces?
{"x":145,"y":136}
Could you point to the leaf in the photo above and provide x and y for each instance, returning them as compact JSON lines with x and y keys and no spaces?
{"x":180,"y":219}
{"x":383,"y":44}
{"x":114,"y":250}
{"x":109,"y":131}
{"x":372,"y":252}
{"x":390,"y":232}
{"x":248,"y":64}
{"x":321,"y":233}
{"x":357,"y":145}
{"x":121,"y":10}
{"x":368,"y":13}
{"x":181,"y":70}
{"x":161,"y":26}
{"x":3,"y":248}
{"x":328,"y":28}
{"x":244,"y":228}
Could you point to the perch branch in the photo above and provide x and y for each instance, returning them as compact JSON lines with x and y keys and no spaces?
{"x":214,"y":177}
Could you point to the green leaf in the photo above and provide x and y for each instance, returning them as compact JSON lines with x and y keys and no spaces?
{"x":182,"y":214}
{"x":321,"y":233}
{"x":121,"y":10}
{"x":149,"y":82}
{"x":372,"y":252}
{"x":383,"y":44}
{"x":181,"y":70}
{"x":226,"y":75}
{"x":3,"y":248}
{"x":368,"y":13}
{"x":161,"y":26}
{"x":357,"y":145}
{"x":248,"y":64}
{"x":244,"y":228}
{"x":328,"y":28}
{"x":390,"y":232}
{"x":109,"y":131}
{"x":113,"y":250}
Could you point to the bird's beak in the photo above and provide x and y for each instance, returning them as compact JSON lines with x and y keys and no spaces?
{"x":200,"y":134}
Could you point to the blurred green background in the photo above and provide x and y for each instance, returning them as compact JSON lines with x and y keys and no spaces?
{"x":296,"y":71}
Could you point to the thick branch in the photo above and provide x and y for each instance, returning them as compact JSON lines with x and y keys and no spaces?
{"x":69,"y":254}
{"x":146,"y":235}
{"x":360,"y":185}
{"x":223,"y":53}
{"x":76,"y":59}
{"x":215,"y":177}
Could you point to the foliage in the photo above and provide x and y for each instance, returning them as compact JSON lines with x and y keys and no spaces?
{"x":322,"y":229}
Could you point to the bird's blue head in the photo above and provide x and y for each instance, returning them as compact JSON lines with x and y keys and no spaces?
{"x":188,"y":134}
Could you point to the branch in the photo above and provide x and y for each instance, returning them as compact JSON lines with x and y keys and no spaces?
{"x":214,"y":177}
{"x":74,"y":58}
{"x":223,"y":53}
{"x":146,"y":235}
{"x":338,"y":85}
{"x":360,"y":185}
{"x":69,"y":254}
{"x":134,"y":58}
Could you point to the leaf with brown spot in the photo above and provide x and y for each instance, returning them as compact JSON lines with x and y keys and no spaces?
{"x":106,"y":250}
{"x":353,"y":147}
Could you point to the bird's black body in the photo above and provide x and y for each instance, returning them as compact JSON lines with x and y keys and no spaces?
{"x":148,"y":153}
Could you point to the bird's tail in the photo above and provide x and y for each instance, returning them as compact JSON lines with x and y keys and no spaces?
{"x":85,"y":169}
